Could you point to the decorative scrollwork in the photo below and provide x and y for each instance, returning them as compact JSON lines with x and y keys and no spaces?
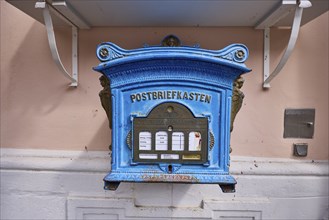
{"x":212,"y":141}
{"x":129,"y":140}
{"x":107,"y":52}
{"x":237,"y":99}
{"x":105,"y":97}
{"x":237,"y":53}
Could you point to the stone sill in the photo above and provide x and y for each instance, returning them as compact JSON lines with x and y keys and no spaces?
{"x":99,"y":161}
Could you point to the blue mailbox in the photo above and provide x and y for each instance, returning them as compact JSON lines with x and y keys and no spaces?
{"x":169,"y":107}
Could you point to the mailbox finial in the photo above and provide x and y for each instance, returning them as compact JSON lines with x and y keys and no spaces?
{"x":171,"y":41}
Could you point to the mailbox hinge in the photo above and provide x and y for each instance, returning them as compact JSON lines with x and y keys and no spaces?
{"x":63,"y":7}
{"x":281,"y":11}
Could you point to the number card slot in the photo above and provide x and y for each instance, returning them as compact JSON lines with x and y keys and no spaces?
{"x":161,"y":140}
{"x":178,"y":141}
{"x":145,"y":140}
{"x":169,"y":156}
{"x":194,"y":141}
{"x":191,"y":157}
{"x":148,"y":156}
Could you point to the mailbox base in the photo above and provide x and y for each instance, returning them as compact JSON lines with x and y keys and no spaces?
{"x":226,"y":188}
{"x":226,"y":182}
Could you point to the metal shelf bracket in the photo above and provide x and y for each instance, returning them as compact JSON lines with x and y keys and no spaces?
{"x":284,"y":9}
{"x":52,"y":42}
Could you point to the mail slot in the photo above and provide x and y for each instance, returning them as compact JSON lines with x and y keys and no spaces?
{"x":169,"y":107}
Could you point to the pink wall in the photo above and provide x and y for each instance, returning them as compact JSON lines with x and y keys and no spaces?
{"x":40,"y":111}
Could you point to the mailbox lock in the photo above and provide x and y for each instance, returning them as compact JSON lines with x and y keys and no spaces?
{"x":170,"y":169}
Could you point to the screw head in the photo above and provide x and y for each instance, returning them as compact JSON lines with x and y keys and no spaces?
{"x":239,"y":54}
{"x":104,"y":53}
{"x":170,"y":109}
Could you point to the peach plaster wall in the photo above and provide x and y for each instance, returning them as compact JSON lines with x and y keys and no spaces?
{"x":40,"y":111}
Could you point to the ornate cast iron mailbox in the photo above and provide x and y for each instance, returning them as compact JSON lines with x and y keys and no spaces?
{"x":169,"y":108}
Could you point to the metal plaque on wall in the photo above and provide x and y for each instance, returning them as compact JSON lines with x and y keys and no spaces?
{"x":299,"y":123}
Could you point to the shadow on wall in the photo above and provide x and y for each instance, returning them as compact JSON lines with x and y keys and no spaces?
{"x":46,"y":112}
{"x":30,"y":93}
{"x":102,"y":135}
{"x":32,"y":81}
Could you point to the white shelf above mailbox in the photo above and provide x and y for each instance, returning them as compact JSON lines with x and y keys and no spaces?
{"x":197,"y":13}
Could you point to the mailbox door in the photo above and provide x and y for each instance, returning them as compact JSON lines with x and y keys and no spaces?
{"x":180,"y":113}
